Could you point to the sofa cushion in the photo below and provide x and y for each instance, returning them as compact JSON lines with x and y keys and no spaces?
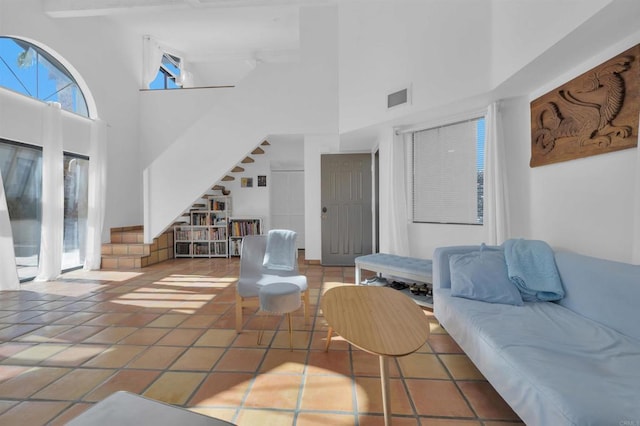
{"x":553,"y":366}
{"x":603,"y":290}
{"x":482,"y":275}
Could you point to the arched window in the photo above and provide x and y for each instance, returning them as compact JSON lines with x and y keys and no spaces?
{"x":29,"y":70}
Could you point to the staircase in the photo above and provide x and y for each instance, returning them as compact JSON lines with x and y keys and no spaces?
{"x":220,"y":188}
{"x":128,"y":251}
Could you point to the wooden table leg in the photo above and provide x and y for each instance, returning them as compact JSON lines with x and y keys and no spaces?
{"x":384,"y":378}
{"x":329,"y":334}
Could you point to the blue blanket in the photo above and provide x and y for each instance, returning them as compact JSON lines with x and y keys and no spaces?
{"x":532,"y":268}
{"x":280,"y":253}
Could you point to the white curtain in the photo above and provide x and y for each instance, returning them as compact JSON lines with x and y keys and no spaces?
{"x":8,"y":272}
{"x":398,"y":235}
{"x":151,"y":60}
{"x":97,"y":193}
{"x":50,"y":261}
{"x":496,"y":214}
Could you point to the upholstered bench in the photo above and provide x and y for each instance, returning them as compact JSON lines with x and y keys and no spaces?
{"x":410,"y":268}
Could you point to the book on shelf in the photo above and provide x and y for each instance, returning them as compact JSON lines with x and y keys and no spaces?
{"x":218,"y":205}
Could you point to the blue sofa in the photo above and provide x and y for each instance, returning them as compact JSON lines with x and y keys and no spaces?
{"x":571,"y":362}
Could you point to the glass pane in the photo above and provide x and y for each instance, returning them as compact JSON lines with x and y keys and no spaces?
{"x":22,"y":176}
{"x":76,"y":178}
{"x":16,"y":70}
{"x":31,"y":71}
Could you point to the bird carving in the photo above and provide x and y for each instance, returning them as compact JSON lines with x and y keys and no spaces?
{"x":585,"y":109}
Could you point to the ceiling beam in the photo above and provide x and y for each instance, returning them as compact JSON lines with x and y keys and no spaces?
{"x":83,"y":8}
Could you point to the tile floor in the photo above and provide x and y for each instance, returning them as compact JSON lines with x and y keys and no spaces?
{"x":167,"y":332}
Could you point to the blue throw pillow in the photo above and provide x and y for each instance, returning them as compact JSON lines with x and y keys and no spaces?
{"x":482,"y":275}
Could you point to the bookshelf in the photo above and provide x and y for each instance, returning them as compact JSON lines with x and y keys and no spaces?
{"x":207,"y":234}
{"x":239,"y":228}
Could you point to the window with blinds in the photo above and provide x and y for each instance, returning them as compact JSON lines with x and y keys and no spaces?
{"x":448,"y":173}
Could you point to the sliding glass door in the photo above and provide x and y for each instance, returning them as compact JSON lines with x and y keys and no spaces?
{"x":76,"y":179}
{"x":21,"y":167}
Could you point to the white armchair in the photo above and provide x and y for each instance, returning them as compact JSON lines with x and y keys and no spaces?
{"x":253,"y":276}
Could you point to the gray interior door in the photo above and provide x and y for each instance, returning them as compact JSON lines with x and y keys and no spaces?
{"x":346,"y":207}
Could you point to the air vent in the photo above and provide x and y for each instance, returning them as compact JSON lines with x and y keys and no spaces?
{"x":398,"y":98}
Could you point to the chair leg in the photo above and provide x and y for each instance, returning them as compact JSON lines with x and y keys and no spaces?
{"x":329,"y":334}
{"x":307,"y":306}
{"x":261,"y":332}
{"x":290,"y":332}
{"x":238,"y":312}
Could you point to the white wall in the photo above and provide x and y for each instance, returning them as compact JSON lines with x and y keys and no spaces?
{"x":522,"y":30}
{"x":275,"y":99}
{"x":110,"y":63}
{"x":586,"y":205}
{"x":441,"y":48}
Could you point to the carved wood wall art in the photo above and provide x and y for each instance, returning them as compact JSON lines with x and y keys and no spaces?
{"x":594,"y":113}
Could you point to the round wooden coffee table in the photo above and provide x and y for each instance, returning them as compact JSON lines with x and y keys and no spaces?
{"x":378,"y":320}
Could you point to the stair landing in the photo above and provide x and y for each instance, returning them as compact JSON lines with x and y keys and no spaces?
{"x":127,"y":249}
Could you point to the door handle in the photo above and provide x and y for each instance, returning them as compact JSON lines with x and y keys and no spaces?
{"x":324,"y":210}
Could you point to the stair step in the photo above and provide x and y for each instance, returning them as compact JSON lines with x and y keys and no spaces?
{"x":237,"y":169}
{"x":265,"y":143}
{"x":247,"y":160}
{"x":133,"y":249}
{"x":227,"y":178}
{"x":258,"y":150}
{"x":198,"y":206}
{"x":218,"y":188}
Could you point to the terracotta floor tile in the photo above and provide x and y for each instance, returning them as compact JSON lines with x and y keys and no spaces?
{"x":421,"y":365}
{"x":10,"y":371}
{"x":74,"y":385}
{"x":274,"y":390}
{"x":76,"y":318}
{"x":241,"y":360}
{"x":174,"y":387}
{"x":70,"y":413}
{"x":45,"y":334}
{"x":486,"y":402}
{"x":79,"y":333}
{"x":134,"y":381}
{"x":35,"y":354}
{"x":30,"y":381}
{"x":156,"y":358}
{"x":369,"y":396}
{"x":167,"y":320}
{"x":426,"y":421}
{"x":216,"y":337}
{"x":252,"y":417}
{"x":198,"y":359}
{"x":145,"y":336}
{"x":5,"y":405}
{"x":111,"y":335}
{"x":461,"y":368}
{"x":32,"y":413}
{"x":332,"y":393}
{"x":378,"y":420}
{"x":284,"y":361}
{"x":115,"y":357}
{"x":161,"y":330}
{"x":366,"y":364}
{"x":332,"y":362}
{"x":443,"y":399}
{"x":108,"y":319}
{"x":222,"y":390}
{"x":443,"y":343}
{"x":324,"y":419}
{"x":181,"y":337}
{"x":75,"y":355}
{"x":199,"y":321}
